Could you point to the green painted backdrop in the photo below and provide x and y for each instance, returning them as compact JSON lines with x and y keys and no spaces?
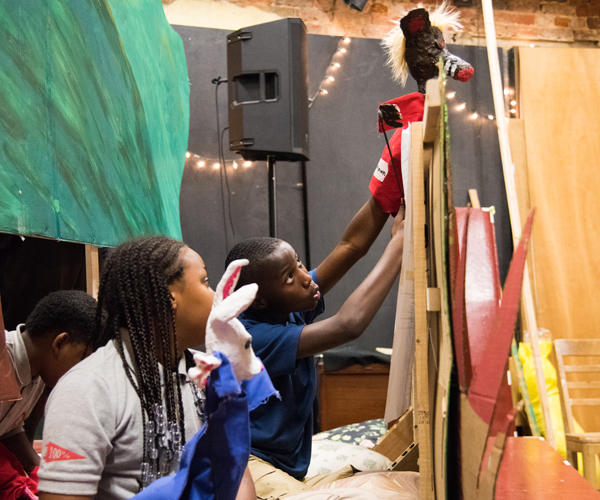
{"x":94,"y":116}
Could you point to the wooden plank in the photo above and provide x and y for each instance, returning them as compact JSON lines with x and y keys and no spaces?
{"x":513,"y":208}
{"x":92,"y":270}
{"x":585,"y":402}
{"x":421,"y":406}
{"x":583,"y":385}
{"x":439,"y":321}
{"x":474,"y":197}
{"x":398,"y":438}
{"x":581,"y":347}
{"x":433,"y":300}
{"x":403,"y":354}
{"x":433,"y":106}
{"x":582,"y":368}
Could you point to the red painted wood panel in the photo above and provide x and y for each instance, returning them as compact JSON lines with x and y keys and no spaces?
{"x":531,"y":469}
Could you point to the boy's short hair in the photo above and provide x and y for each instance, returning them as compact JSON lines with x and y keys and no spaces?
{"x":255,"y":250}
{"x":71,"y":311}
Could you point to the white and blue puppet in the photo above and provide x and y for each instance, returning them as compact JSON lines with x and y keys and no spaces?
{"x":234,"y":382}
{"x":414,"y":46}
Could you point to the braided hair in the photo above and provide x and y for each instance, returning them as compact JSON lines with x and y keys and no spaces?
{"x":256,"y":250}
{"x":134,"y":290}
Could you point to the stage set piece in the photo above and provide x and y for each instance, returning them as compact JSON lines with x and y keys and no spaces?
{"x":464,"y":427}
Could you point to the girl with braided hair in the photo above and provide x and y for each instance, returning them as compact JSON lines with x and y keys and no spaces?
{"x":120,"y":419}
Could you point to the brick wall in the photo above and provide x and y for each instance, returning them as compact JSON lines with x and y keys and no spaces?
{"x":540,"y":21}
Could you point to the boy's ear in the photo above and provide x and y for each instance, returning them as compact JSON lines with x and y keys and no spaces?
{"x":60,"y":341}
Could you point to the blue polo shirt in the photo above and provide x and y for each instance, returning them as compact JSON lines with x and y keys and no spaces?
{"x":281,"y":430}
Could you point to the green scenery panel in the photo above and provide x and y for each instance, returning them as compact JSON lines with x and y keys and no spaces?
{"x":94,"y":117}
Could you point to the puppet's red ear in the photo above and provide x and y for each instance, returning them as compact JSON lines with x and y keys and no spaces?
{"x":416,"y":21}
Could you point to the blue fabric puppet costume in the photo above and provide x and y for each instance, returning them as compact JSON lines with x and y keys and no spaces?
{"x":214,"y":460}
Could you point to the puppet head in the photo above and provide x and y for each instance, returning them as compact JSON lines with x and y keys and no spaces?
{"x":417,"y":43}
{"x":225,"y":333}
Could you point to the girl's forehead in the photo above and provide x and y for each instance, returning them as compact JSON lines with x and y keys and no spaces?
{"x":191,"y":257}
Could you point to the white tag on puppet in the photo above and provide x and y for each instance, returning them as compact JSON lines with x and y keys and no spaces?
{"x":225,"y":333}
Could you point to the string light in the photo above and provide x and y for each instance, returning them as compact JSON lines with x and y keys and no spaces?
{"x":188,"y":154}
{"x":513,"y":103}
{"x":506,"y":91}
{"x":531,"y":45}
{"x":473,"y":115}
{"x":333,"y":66}
{"x":202,"y":162}
{"x":513,"y":111}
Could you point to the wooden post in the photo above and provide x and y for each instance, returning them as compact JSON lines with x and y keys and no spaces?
{"x":422,"y":407}
{"x":92,"y":270}
{"x":513,"y":208}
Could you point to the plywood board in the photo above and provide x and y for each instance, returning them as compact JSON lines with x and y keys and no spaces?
{"x":560,"y":104}
{"x":94,"y":128}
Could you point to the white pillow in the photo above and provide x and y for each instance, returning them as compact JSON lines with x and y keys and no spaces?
{"x":330,"y":456}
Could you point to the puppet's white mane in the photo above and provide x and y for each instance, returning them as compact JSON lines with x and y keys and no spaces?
{"x":443,"y":17}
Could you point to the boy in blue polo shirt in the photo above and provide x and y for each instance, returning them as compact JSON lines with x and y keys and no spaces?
{"x":285,"y":336}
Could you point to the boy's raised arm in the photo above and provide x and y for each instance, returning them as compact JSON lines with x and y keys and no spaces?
{"x":359,"y":309}
{"x":358,"y":238}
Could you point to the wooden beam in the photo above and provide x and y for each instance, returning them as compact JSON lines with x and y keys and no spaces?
{"x":398,"y":438}
{"x":422,"y":407}
{"x":431,"y":115}
{"x":474,"y":197}
{"x":92,"y":270}
{"x":513,"y":208}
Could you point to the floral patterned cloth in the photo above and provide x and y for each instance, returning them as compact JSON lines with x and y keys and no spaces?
{"x":364,"y":433}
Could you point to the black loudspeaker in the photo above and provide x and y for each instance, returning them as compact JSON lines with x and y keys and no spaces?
{"x":267,"y":83}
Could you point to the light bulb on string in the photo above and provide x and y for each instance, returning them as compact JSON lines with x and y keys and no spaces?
{"x":490,"y":117}
{"x":188,"y":154}
{"x":346,"y":40}
{"x":330,"y":78}
{"x":451,"y":95}
{"x":513,"y":103}
{"x":235,"y":165}
{"x":323,"y":91}
{"x":342,"y":50}
{"x":506,"y":91}
{"x":474,"y":116}
{"x":462,"y":106}
{"x":216,"y":166}
{"x":247,"y":164}
{"x":336,"y":64}
{"x":201,"y":164}
{"x":513,"y":111}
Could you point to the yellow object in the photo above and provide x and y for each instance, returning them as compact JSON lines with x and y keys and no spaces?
{"x":526,"y":357}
